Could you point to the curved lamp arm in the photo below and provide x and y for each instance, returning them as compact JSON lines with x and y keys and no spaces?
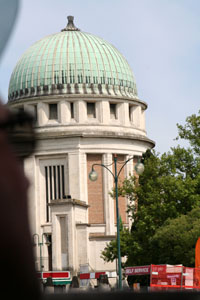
{"x":93,"y":174}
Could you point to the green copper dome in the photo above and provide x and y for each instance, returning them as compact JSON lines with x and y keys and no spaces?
{"x":71,"y":62}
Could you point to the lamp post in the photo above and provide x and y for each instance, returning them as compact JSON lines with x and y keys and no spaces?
{"x":139,"y":168}
{"x":40,"y":244}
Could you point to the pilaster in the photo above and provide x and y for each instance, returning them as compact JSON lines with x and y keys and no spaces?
{"x":65,"y":113}
{"x":103,"y":111}
{"x":123,"y":113}
{"x":80,"y":111}
{"x":43,"y":113}
{"x":143,"y":125}
{"x":77,"y":180}
{"x":108,"y":200}
{"x":136,"y":115}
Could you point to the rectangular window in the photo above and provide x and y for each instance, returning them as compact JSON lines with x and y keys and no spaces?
{"x":91,"y":110}
{"x":113,"y":114}
{"x":55,"y":185}
{"x":53,"y":111}
{"x":130,"y":113}
{"x":72,"y":110}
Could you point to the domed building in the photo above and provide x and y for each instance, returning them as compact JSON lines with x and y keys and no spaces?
{"x":83,"y":96}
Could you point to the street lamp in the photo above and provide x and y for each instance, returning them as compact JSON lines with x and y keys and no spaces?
{"x":93,"y":175}
{"x":40,"y":244}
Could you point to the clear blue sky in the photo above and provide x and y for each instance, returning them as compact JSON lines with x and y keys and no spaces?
{"x":159,"y":38}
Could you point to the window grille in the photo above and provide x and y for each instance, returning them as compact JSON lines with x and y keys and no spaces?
{"x":55,"y":184}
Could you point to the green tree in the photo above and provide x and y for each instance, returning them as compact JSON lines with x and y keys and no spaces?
{"x":175,"y":241}
{"x":110,"y":253}
{"x":168,"y":188}
{"x":191,"y":132}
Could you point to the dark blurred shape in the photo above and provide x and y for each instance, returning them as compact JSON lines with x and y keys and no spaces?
{"x":18,"y":276}
{"x":127,"y":295}
{"x":48,"y":286}
{"x":103,"y":283}
{"x":74,"y":283}
{"x":103,"y":279}
{"x":19,"y":124}
{"x":8,"y":13}
{"x":20,"y":133}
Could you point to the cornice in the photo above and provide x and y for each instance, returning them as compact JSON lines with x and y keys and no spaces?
{"x":73,"y":202}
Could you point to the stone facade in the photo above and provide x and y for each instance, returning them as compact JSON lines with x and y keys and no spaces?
{"x":79,"y":216}
{"x":74,"y":217}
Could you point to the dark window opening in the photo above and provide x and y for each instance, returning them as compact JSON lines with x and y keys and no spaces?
{"x":113,"y":114}
{"x":53,"y":112}
{"x":130,"y":111}
{"x":72,"y":110}
{"x":91,"y":110}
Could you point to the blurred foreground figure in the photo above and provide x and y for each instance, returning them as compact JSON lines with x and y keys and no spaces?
{"x":18,"y":276}
{"x":16,"y":253}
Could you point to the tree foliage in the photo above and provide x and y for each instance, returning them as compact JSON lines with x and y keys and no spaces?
{"x":190,"y":131}
{"x":168,"y":189}
{"x":176,"y":239}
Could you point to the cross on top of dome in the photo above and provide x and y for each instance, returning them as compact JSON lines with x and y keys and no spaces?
{"x":70,"y":25}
